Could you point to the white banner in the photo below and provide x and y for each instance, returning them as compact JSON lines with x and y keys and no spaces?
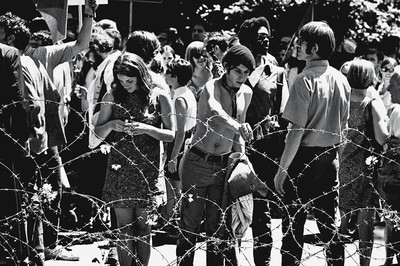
{"x":82,"y":2}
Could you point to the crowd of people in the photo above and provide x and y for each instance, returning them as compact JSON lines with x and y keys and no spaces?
{"x":129,"y":134}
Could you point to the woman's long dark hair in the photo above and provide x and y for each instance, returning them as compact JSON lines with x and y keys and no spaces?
{"x":131,"y":65}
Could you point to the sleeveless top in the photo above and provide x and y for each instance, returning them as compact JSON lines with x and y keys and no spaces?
{"x":134,"y":161}
{"x":358,"y":183}
{"x":187,"y":94}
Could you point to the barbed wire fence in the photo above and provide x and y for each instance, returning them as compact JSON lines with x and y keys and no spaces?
{"x":39,"y":196}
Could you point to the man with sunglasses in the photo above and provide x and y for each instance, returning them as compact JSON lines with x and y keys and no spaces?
{"x":217,"y":45}
{"x":270,"y":93}
{"x":220,"y":129}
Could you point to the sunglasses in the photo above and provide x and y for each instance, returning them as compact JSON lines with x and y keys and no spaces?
{"x":386,"y":69}
{"x":262,"y":36}
{"x":197,"y":55}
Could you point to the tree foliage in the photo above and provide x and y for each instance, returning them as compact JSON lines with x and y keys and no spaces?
{"x":360,"y":19}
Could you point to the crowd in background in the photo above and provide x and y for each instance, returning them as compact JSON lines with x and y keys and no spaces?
{"x":133,"y":134}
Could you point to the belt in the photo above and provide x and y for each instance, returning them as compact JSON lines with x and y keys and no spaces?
{"x":210,"y":157}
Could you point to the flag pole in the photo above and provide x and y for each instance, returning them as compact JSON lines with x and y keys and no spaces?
{"x":80,"y":17}
{"x":130,"y":15}
{"x":303,"y":21}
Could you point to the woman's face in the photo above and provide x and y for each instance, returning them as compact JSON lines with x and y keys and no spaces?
{"x":129,"y":83}
{"x":200,"y":58}
{"x":171,"y":81}
{"x":167,"y":57}
{"x":387,"y":71}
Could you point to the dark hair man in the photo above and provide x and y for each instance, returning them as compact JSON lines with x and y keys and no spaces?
{"x":220,"y":129}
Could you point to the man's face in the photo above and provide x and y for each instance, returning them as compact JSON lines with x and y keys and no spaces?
{"x":163,"y":38}
{"x":301,"y":48}
{"x":374,"y":59}
{"x":236,"y":76}
{"x":198,"y":33}
{"x":35,"y":43}
{"x":394,"y":86}
{"x":262,"y":42}
{"x":2,"y":35}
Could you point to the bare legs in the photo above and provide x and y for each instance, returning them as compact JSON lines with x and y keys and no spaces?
{"x":134,"y":236}
{"x":365,"y":229}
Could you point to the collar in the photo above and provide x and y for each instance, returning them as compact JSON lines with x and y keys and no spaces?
{"x":317,"y":63}
{"x":258,"y":72}
{"x":28,"y":50}
{"x":180,"y":90}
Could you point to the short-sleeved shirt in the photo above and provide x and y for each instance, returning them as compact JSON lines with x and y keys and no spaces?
{"x":319,"y":102}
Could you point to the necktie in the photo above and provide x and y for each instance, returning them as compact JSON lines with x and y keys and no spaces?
{"x":234,"y":106}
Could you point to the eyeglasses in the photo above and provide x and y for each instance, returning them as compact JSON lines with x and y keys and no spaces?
{"x":197,"y":55}
{"x":386,"y":69}
{"x":262,"y":36}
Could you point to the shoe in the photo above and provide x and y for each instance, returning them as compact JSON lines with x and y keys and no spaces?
{"x":59,"y":253}
{"x":112,"y":258}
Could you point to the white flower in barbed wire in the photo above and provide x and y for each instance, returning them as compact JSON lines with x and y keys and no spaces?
{"x":392,"y":216}
{"x":148,"y":115}
{"x":46,"y":193}
{"x":115,"y":166}
{"x":190,"y":197}
{"x":105,"y":148}
{"x":371,"y":160}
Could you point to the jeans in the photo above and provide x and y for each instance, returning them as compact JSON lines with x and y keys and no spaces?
{"x":311,"y":182}
{"x":202,"y":190}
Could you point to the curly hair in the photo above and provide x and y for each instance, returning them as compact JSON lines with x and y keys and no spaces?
{"x":249,"y":28}
{"x":44,"y":36}
{"x":14,"y":25}
{"x":217,"y":38}
{"x":101,"y":41}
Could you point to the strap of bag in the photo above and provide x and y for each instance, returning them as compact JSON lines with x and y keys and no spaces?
{"x":279,"y":85}
{"x":239,"y":212}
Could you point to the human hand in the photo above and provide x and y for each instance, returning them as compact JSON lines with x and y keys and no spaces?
{"x":246,"y":132}
{"x":387,"y":179}
{"x":80,"y":92}
{"x":119,"y":126}
{"x":91,"y":7}
{"x":135,"y":128}
{"x":279,"y":180}
{"x":394,"y":144}
{"x":172,"y":165}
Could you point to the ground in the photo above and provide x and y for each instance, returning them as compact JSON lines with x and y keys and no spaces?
{"x":164,"y":255}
